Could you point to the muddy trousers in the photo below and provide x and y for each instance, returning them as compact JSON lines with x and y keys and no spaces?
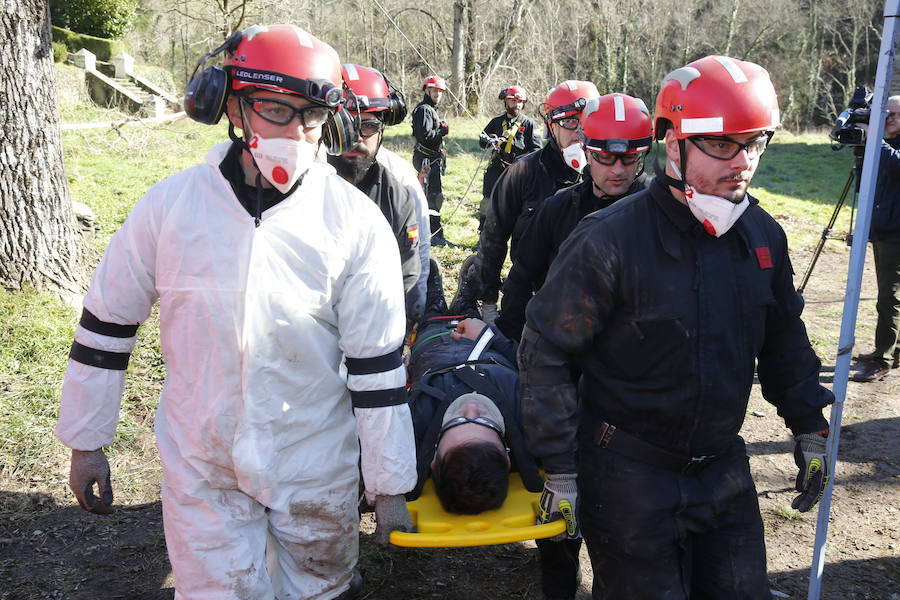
{"x":887,"y":273}
{"x":225,"y":545}
{"x":656,"y":534}
{"x":560,"y":569}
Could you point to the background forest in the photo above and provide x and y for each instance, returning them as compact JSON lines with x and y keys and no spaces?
{"x":817,"y":51}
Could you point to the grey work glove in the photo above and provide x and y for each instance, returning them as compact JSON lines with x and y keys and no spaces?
{"x":489,"y":312}
{"x":391,"y":514}
{"x":88,"y":467}
{"x":809,"y":454}
{"x":559,"y":500}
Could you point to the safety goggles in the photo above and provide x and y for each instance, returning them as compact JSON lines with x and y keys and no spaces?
{"x":457,"y":421}
{"x":559,"y":114}
{"x":280,"y":112}
{"x":725,"y":148}
{"x":370,"y":127}
{"x":609,"y":159}
{"x":892,"y":115}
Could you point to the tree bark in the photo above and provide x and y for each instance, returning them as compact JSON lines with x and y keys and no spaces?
{"x":456,"y":52}
{"x":39,"y":240}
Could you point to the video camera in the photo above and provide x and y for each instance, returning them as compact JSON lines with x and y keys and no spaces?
{"x":845,"y":129}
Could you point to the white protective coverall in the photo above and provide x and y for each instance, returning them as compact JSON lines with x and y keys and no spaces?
{"x":403,"y":171}
{"x":255,"y":425}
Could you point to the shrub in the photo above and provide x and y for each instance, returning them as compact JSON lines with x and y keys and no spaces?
{"x":103,"y":49}
{"x":60,"y":53}
{"x":100,"y":18}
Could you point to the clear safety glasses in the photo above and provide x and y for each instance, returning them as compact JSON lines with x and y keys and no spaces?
{"x":370,"y":127}
{"x":456,"y":422}
{"x":609,"y":159}
{"x":725,"y":148}
{"x":280,"y":112}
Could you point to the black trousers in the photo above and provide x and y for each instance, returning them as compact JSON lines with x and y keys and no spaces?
{"x":655,"y":534}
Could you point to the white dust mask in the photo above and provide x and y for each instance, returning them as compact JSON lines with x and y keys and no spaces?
{"x":715,"y":213}
{"x":281,"y":160}
{"x":574,"y":157}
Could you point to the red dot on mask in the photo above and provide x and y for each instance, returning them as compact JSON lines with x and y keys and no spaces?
{"x":709,"y":227}
{"x":279,"y":175}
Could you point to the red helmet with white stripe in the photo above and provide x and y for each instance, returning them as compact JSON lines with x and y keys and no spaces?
{"x":435,"y":82}
{"x":287,"y":59}
{"x":514,"y":91}
{"x":616,"y":123}
{"x":716,"y":95}
{"x":568,"y":98}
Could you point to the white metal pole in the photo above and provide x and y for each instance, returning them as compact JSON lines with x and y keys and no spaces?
{"x":854,"y":276}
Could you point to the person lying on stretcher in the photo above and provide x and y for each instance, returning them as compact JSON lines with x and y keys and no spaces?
{"x":466,"y":408}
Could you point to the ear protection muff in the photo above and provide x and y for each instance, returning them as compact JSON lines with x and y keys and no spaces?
{"x":204,"y":100}
{"x":396,"y":111}
{"x":340,"y":133}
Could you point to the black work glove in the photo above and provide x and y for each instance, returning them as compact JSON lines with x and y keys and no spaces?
{"x":810,"y":457}
{"x":444,"y":128}
{"x":88,"y":467}
{"x":559,"y":500}
{"x":391,"y":514}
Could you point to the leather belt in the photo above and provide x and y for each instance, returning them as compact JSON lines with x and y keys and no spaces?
{"x":610,"y":437}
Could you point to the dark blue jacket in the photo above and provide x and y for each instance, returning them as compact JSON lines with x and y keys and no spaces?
{"x":886,"y":206}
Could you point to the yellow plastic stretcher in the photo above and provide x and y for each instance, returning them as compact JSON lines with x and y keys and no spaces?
{"x":512,"y":522}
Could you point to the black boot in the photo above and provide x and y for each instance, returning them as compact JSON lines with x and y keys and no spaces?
{"x":435,"y":303}
{"x":437,"y":232}
{"x":464,"y":302}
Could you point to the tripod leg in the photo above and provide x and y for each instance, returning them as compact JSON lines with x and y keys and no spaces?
{"x":826,"y":232}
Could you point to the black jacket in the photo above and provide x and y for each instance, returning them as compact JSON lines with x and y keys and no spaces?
{"x":436,"y":382}
{"x":886,"y":203}
{"x":399,"y":208}
{"x":668,"y":325}
{"x":518,"y":194}
{"x":538,"y":246}
{"x":426,"y":127}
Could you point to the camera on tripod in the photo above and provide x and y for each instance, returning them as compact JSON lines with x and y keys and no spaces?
{"x":846,"y":130}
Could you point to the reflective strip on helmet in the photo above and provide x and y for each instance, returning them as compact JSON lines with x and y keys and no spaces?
{"x":776,"y":117}
{"x":619,"y":104}
{"x":704,"y":125}
{"x":303,"y":37}
{"x":737,"y":74}
{"x":352,"y":73}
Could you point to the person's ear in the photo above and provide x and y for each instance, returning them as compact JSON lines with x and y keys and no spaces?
{"x":673,"y":150}
{"x":233,"y":110}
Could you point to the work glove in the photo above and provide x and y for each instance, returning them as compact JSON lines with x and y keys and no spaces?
{"x":484,"y":140}
{"x":809,"y":454}
{"x":560,"y":501}
{"x":444,"y":128}
{"x":390,"y":515}
{"x":89,"y":466}
{"x":489,"y":312}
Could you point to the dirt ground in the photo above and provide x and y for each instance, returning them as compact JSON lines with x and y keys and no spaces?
{"x":50,"y":548}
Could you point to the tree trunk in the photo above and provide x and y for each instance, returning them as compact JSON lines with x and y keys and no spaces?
{"x":456,"y":52}
{"x":39,"y":240}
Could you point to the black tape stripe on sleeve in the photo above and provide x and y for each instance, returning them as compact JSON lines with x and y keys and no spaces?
{"x":115,"y":361}
{"x":377,"y":364}
{"x":92,"y":323}
{"x":378,"y":398}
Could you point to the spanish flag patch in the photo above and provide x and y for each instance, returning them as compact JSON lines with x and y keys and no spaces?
{"x":412,"y":233}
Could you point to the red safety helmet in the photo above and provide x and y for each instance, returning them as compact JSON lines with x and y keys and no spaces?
{"x":287,"y":59}
{"x":372,"y":92}
{"x":568,"y":98}
{"x":435,"y":82}
{"x":716,"y":95}
{"x":616,"y":123}
{"x":514,"y":91}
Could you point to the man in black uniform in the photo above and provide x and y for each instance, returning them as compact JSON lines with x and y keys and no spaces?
{"x":428,"y":155}
{"x":467,"y":462}
{"x":522,"y":187}
{"x":378,"y":106}
{"x":665,"y":302}
{"x":510,"y":135}
{"x":616,"y":131}
{"x":466,"y":408}
{"x":884,"y":234}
